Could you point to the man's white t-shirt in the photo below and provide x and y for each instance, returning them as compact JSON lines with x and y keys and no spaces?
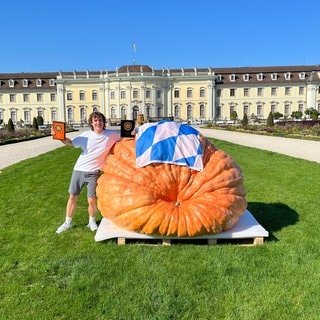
{"x":95,"y":148}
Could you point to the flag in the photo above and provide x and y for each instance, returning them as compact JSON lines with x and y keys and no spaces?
{"x":168,"y":142}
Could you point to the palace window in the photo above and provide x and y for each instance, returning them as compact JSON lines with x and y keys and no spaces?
{"x":302,"y":75}
{"x":274,"y":91}
{"x":274,"y":76}
{"x":11,"y":83}
{"x":232,"y":92}
{"x":189,"y":112}
{"x":246,"y":109}
{"x":26,"y":115}
{"x":259,"y":110}
{"x":39,"y":97}
{"x":13,"y":115}
{"x":70,"y":114}
{"x":122,"y":94}
{"x":202,"y":92}
{"x":83,"y":114}
{"x":260,"y":76}
{"x":159,"y":111}
{"x":301,"y":90}
{"x":135,"y":94}
{"x":287,"y":75}
{"x":53,"y":115}
{"x":286,"y":109}
{"x":246,"y":77}
{"x":189,"y":93}
{"x":202,"y":111}
{"x":123,"y":112}
{"x":25,"y":83}
{"x":94,"y":95}
{"x":52,"y":97}
{"x":148,"y":94}
{"x":69,"y":95}
{"x":260,"y":92}
{"x":39,"y":82}
{"x":82,"y":96}
{"x":12,"y":98}
{"x":245,"y":92}
{"x":287,"y":91}
{"x":176,"y":93}
{"x":177,"y":112}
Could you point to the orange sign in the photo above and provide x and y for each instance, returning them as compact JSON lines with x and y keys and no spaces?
{"x":59,"y":129}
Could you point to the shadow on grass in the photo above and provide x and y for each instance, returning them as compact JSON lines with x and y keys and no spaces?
{"x":273,"y":216}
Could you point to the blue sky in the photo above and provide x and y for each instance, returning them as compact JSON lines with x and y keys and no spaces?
{"x":67,"y":35}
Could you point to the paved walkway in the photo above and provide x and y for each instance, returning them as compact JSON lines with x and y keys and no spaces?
{"x":304,"y":149}
{"x":297,"y":148}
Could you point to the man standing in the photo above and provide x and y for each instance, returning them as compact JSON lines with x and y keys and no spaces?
{"x":96,"y":145}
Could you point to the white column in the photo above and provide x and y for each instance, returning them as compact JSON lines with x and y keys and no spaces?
{"x":154,"y":100}
{"x":211,"y":100}
{"x":106,"y":93}
{"x":102,"y":99}
{"x":311,"y":96}
{"x":61,"y":103}
{"x":169,"y":98}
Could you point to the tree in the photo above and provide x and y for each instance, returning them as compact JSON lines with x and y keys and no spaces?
{"x":277,"y":115}
{"x":35,"y":124}
{"x":296,"y":115}
{"x":270,"y":122}
{"x":233,"y":115}
{"x":312,"y":113}
{"x":39,"y":120}
{"x":245,"y":121}
{"x":10,"y":125}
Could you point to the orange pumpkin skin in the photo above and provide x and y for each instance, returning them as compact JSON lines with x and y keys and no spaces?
{"x":168,"y":199}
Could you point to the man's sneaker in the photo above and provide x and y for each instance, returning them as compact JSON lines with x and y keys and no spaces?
{"x":64,"y":227}
{"x":92,"y":225}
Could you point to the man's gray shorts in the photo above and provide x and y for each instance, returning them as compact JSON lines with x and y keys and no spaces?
{"x":80,"y":178}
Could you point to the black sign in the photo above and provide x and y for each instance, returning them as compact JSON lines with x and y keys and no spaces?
{"x":127,"y":126}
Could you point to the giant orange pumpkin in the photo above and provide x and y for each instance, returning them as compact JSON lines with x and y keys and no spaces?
{"x":168,"y":199}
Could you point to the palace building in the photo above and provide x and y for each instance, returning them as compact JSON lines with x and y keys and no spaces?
{"x":194,"y":94}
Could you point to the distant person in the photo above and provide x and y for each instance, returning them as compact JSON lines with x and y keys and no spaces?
{"x":96,"y":145}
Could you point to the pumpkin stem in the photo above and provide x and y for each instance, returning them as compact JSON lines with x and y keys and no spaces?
{"x":177,"y":203}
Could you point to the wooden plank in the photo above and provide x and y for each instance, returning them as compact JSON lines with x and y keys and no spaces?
{"x":258,"y":241}
{"x":121,"y":241}
{"x":212,"y":242}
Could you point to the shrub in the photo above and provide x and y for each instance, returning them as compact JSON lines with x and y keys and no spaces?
{"x":10,"y":125}
{"x":39,"y":120}
{"x":244,"y":121}
{"x":270,"y":122}
{"x":233,"y":115}
{"x":277,"y":115}
{"x":35,"y":124}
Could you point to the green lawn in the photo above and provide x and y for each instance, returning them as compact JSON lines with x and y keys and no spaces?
{"x":69,"y":276}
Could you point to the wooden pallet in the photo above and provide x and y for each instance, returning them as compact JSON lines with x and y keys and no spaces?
{"x":168,"y":241}
{"x":246,"y":232}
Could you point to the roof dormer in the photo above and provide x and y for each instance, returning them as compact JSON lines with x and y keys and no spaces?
{"x":260,"y":76}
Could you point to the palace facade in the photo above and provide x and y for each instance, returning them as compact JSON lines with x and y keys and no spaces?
{"x":196,"y":94}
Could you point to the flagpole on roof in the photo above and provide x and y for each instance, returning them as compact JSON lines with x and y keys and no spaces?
{"x":134,"y":52}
